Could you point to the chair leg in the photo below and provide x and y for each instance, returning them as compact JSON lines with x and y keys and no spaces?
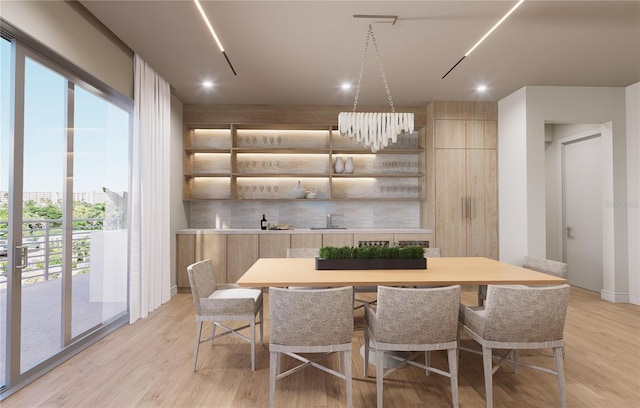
{"x":453,"y":371}
{"x":487,"y":362}
{"x":379,"y":376}
{"x":559,"y":363}
{"x":261,"y":325}
{"x":197,"y":345}
{"x":482,"y":293}
{"x":427,"y":361}
{"x":366,"y":352}
{"x":213,"y":332}
{"x":348,"y":374}
{"x":514,"y":356}
{"x":253,"y":345}
{"x":273,"y":370}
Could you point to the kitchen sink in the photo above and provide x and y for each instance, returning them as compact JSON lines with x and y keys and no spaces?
{"x":328,"y":228}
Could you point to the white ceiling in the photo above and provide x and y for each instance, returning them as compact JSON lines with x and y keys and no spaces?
{"x":299,"y":52}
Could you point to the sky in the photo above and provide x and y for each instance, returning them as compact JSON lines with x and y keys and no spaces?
{"x":101,"y":137}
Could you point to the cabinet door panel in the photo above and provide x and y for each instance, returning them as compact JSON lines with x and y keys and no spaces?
{"x":185,"y":256}
{"x":337,"y":240}
{"x":451,"y":203}
{"x":481,"y":134}
{"x":213,"y":247}
{"x":450,"y":134}
{"x":306,"y":240}
{"x":242,"y":252}
{"x":274,"y":246}
{"x":482,"y":239}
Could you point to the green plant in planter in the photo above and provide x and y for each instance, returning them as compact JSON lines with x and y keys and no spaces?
{"x":371,"y":252}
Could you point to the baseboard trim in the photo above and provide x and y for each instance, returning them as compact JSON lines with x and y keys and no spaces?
{"x":615,"y":297}
{"x":634,"y":299}
{"x":174,"y":290}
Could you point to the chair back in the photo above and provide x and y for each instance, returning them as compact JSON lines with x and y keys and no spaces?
{"x":548,"y":266}
{"x":525,"y":314}
{"x":318,"y":317}
{"x":303,"y":252}
{"x":202,"y":280}
{"x":432,"y":253}
{"x":417,"y":316}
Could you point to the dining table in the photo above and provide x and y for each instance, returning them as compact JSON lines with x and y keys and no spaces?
{"x":285,"y":272}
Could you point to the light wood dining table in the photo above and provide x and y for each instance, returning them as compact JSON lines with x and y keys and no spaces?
{"x":283,"y":272}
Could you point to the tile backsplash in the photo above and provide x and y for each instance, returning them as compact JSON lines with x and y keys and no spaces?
{"x":304,"y":213}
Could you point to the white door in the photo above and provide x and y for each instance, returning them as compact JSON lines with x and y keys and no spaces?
{"x":582,"y":208}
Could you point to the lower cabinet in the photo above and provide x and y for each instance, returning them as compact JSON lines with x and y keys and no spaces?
{"x":242,"y":252}
{"x":306,"y":240}
{"x":185,"y":256}
{"x":213,"y":247}
{"x":233,"y":254}
{"x":337,"y":240}
{"x":274,"y":246}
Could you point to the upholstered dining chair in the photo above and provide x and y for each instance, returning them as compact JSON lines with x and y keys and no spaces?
{"x":302,"y":252}
{"x":310,"y":321}
{"x":515,"y":318}
{"x":548,"y":266}
{"x":555,"y":268}
{"x":217,"y":303}
{"x":432,"y":252}
{"x":413,"y":320}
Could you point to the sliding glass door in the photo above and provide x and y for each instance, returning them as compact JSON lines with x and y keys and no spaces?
{"x":63,"y":213}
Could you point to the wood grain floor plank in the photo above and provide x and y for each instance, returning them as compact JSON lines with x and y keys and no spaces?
{"x":148,"y":364}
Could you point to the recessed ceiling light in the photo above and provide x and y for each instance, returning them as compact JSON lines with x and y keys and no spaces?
{"x":207,"y":84}
{"x":345,"y":86}
{"x":481,"y":88}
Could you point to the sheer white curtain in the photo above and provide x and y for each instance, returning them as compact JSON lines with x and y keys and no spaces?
{"x":149,"y":282}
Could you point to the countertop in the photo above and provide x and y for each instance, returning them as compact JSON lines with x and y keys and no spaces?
{"x":232,"y":231}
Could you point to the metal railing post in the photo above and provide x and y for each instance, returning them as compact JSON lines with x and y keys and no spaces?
{"x":46,"y":250}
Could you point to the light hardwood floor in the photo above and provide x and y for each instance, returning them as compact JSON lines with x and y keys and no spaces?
{"x":148,"y":364}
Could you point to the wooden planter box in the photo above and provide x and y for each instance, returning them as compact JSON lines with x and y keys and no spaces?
{"x":371,"y":263}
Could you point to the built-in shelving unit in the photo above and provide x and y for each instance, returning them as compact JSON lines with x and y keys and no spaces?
{"x":265,"y":162}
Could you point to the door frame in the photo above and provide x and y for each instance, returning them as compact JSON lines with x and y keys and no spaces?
{"x":608,"y":204}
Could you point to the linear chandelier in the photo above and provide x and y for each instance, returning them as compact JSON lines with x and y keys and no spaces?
{"x":374,"y":129}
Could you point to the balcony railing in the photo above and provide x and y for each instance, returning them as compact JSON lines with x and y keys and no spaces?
{"x":43,"y":239}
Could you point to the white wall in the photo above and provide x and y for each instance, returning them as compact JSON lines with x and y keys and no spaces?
{"x":66,"y":29}
{"x":512,"y":186}
{"x":521,"y":162}
{"x":633,"y":189}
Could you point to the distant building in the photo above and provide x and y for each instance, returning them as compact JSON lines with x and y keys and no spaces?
{"x":91,"y":197}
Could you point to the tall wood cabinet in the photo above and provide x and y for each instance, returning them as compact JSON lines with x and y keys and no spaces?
{"x":464,"y":163}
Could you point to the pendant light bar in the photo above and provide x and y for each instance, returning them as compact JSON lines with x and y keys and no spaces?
{"x":485,"y":36}
{"x":213,"y":33}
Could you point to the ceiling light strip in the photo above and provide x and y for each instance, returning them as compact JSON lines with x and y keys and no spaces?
{"x":213,"y":33}
{"x":485,"y":36}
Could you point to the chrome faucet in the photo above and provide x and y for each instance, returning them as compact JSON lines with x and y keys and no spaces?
{"x":330,"y":220}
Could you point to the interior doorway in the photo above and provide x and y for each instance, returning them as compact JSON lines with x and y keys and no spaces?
{"x":582,"y":198}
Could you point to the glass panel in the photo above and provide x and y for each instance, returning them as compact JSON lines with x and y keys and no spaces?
{"x":5,"y":78}
{"x":100,"y":180}
{"x":44,"y":157}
